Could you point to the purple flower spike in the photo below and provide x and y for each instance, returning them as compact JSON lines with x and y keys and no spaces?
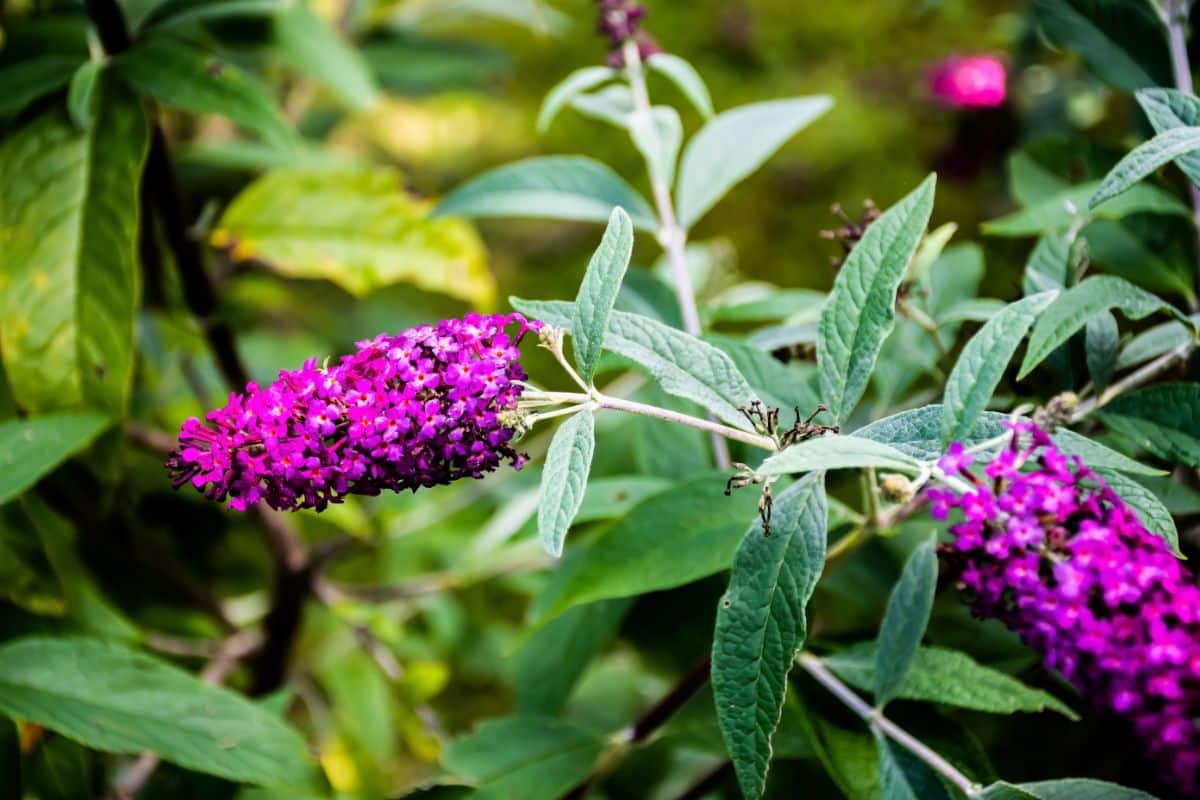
{"x":420,"y":408}
{"x":1049,"y":549}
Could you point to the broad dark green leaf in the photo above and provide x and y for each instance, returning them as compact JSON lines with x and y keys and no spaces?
{"x":355,"y":227}
{"x":904,"y":623}
{"x":734,"y":144}
{"x":177,"y":13}
{"x":550,"y":187}
{"x":761,"y":625}
{"x":579,"y":81}
{"x":783,"y":386}
{"x":837,"y":451}
{"x":685,"y":77}
{"x":1101,"y":342}
{"x":982,"y":363}
{"x":1101,"y":37}
{"x":1171,"y":108}
{"x":1145,"y":159}
{"x":672,"y":538}
{"x":564,"y":478}
{"x":120,"y":701}
{"x":1120,"y":248}
{"x":1065,"y":789}
{"x":527,"y":757}
{"x":25,"y":81}
{"x":551,"y":661}
{"x":1156,"y":341}
{"x":598,"y":292}
{"x":1150,"y":510}
{"x":848,"y":753}
{"x":412,"y":64}
{"x":1072,"y":309}
{"x":948,"y":677}
{"x":31,"y":448}
{"x":860,"y":311}
{"x":1163,"y":419}
{"x":179,"y":75}
{"x":1056,"y":213}
{"x":893,"y":783}
{"x":309,"y":44}
{"x":682,"y":364}
{"x":68,"y":244}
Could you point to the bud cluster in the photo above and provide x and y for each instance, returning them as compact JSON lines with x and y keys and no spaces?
{"x":1048,"y":548}
{"x":419,"y":408}
{"x":620,"y":21}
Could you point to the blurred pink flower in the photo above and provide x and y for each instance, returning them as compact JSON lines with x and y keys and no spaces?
{"x":969,"y":81}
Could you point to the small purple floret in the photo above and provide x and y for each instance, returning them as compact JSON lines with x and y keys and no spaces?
{"x":419,"y":408}
{"x":1048,"y":548}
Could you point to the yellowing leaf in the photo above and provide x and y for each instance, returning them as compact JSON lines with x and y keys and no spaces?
{"x":356,"y":228}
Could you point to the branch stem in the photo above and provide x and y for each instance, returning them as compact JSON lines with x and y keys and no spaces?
{"x":875,"y":718}
{"x":1135,"y":379}
{"x":1175,"y":19}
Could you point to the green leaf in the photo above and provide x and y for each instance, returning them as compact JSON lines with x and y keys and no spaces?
{"x":1066,"y":789}
{"x":1119,"y":248}
{"x":1029,"y":181}
{"x":917,"y":433}
{"x":734,"y":144}
{"x":1145,"y":159}
{"x":948,"y":677}
{"x":1048,"y":266}
{"x":117,"y":700}
{"x":762,"y":303}
{"x":1163,"y":419}
{"x":69,"y":281}
{"x":25,"y":81}
{"x":598,"y":292}
{"x":551,"y":661}
{"x":673,"y":538}
{"x":1101,"y":342}
{"x":356,"y":228}
{"x":579,"y":81}
{"x":1156,"y":341}
{"x":1100,"y":49}
{"x":524,"y":756}
{"x":1058,"y":212}
{"x":847,"y":752}
{"x":79,"y":94}
{"x":1171,"y":108}
{"x":178,"y":13}
{"x":1150,"y":510}
{"x":779,"y":385}
{"x":612,"y":497}
{"x":1098,"y":456}
{"x":658,"y":136}
{"x":178,"y":75}
{"x":893,"y":783}
{"x":612,"y":105}
{"x":837,"y":451}
{"x":685,"y":77}
{"x":761,"y":625}
{"x":60,"y":769}
{"x":564,"y":478}
{"x":682,"y":364}
{"x":550,"y":187}
{"x":860,"y":311}
{"x":32,"y":448}
{"x":982,"y":363}
{"x":309,"y":44}
{"x":904,"y":623}
{"x":1072,"y":309}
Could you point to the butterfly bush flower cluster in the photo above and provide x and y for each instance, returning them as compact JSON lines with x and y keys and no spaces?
{"x":423,"y":407}
{"x":969,"y":82}
{"x":1048,"y":548}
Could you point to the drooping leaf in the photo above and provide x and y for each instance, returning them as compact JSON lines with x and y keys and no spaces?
{"x":982,"y":363}
{"x":1057,"y":213}
{"x":579,"y":81}
{"x":1153,"y":515}
{"x":309,"y":44}
{"x":904,"y":623}
{"x":564,"y":478}
{"x":949,"y":677}
{"x":683,"y":365}
{"x":837,"y":451}
{"x":847,"y":752}
{"x":79,"y":93}
{"x":1137,"y":254}
{"x":1145,"y":159}
{"x":550,"y":187}
{"x":860,"y":311}
{"x":356,"y":228}
{"x":893,"y":783}
{"x":598,"y":292}
{"x":68,"y":244}
{"x":761,"y":625}
{"x":1163,"y":419}
{"x":1099,"y":456}
{"x":1099,"y":32}
{"x":120,"y":701}
{"x":25,"y":81}
{"x":684,"y":76}
{"x":1101,"y":342}
{"x":530,"y":757}
{"x":31,"y":448}
{"x":734,"y":144}
{"x":612,"y":105}
{"x":178,"y":13}
{"x":1171,"y":108}
{"x":1072,"y":309}
{"x":1156,"y":341}
{"x":1065,"y":789}
{"x":179,"y":75}
{"x":670,"y":539}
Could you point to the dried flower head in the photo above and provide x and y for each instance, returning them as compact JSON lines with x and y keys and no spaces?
{"x":420,"y":408}
{"x":1048,"y":548}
